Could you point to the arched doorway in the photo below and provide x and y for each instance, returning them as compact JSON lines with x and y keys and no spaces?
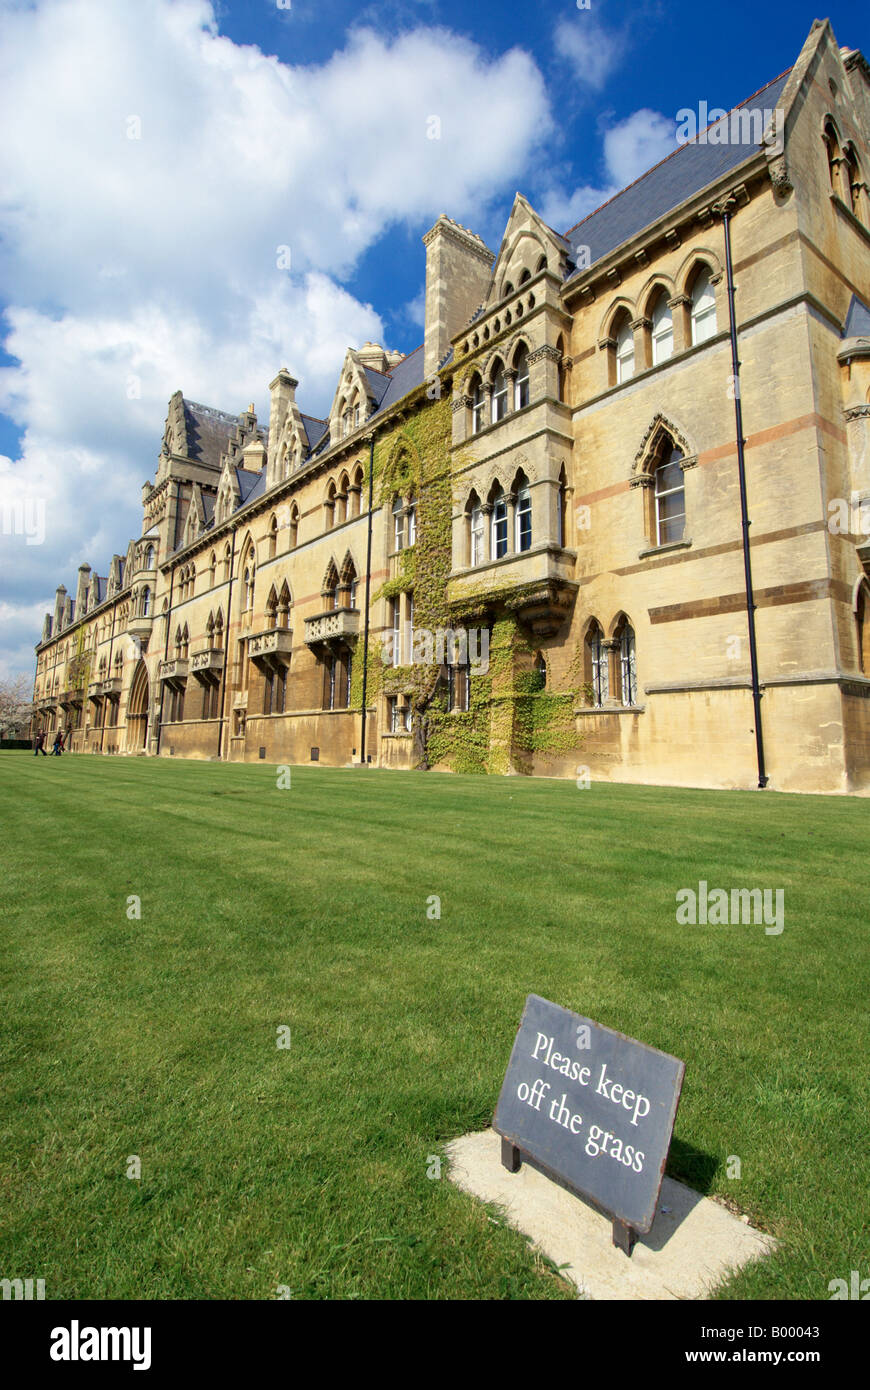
{"x":137,"y":709}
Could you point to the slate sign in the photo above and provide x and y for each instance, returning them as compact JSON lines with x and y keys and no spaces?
{"x":593,"y":1107}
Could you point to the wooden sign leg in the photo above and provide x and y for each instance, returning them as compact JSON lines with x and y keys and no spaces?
{"x":624,"y":1237}
{"x":510,"y":1156}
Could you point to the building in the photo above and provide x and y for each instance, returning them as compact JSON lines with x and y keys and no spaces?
{"x":525,"y":537}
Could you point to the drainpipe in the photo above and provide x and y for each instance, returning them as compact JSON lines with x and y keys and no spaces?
{"x":226,"y":649}
{"x":365,"y":678}
{"x":724,"y":209}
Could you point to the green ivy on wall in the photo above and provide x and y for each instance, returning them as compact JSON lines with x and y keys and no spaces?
{"x":511,"y":718}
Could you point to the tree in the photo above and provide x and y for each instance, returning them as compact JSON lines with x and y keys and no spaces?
{"x":15,"y":706}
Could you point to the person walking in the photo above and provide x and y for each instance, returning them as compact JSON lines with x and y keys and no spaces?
{"x":40,"y":745}
{"x":58,"y":744}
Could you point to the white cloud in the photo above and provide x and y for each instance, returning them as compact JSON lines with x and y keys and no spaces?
{"x":561,"y":210}
{"x":592,"y":51}
{"x":637,"y":143}
{"x":631,"y":147}
{"x":155,"y":257}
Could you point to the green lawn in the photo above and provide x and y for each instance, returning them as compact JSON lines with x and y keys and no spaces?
{"x":307,"y":1167}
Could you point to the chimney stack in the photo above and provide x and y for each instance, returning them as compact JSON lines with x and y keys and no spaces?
{"x":282,"y":394}
{"x":458,"y":273}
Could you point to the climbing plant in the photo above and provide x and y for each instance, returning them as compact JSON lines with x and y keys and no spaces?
{"x":510,"y":718}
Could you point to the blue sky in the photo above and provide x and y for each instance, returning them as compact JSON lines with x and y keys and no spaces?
{"x":156,"y":155}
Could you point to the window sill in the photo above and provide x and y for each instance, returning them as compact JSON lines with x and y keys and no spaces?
{"x":610,"y":709}
{"x":397,"y":733}
{"x":664,"y":549}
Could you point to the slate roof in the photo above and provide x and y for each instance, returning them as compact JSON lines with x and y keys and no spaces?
{"x":404,"y":377}
{"x":208,"y":432}
{"x":251,"y":485}
{"x":857,"y":320}
{"x":685,"y":172}
{"x":379,"y":383}
{"x":315,"y":429}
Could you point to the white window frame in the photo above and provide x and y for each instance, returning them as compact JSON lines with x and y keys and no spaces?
{"x":703,"y":313}
{"x":476,"y":555}
{"x":523,"y":511}
{"x":521,"y":385}
{"x":662,"y":332}
{"x":396,"y":623}
{"x":625,"y":353}
{"x":500,"y":518}
{"x":477,"y":401}
{"x":600,"y":671}
{"x":499,"y":396}
{"x":628,"y":665}
{"x":658,"y":493}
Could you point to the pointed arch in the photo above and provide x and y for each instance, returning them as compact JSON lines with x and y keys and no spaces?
{"x":657,"y":284}
{"x":330,"y":579}
{"x":617,"y":309}
{"x":285,"y":603}
{"x":623,"y":646}
{"x":596,"y":668}
{"x":698,"y":256}
{"x":138,"y":705}
{"x":272,"y":608}
{"x":329,"y":506}
{"x":659,"y":428}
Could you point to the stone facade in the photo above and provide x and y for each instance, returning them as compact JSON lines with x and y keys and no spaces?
{"x":528,"y":532}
